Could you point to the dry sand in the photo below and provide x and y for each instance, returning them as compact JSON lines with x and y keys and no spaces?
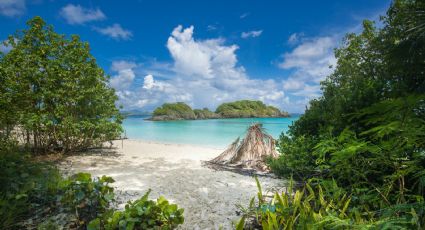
{"x":175,"y":171}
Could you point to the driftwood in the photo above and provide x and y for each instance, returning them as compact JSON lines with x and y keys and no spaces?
{"x":250,"y":152}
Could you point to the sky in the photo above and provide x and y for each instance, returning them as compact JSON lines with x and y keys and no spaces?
{"x":205,"y":53}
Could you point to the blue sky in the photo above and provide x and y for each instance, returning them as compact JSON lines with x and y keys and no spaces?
{"x":205,"y":52}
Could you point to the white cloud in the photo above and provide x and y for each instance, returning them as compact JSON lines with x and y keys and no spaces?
{"x":293,"y":84}
{"x":76,"y":14}
{"x":308,"y":91}
{"x":199,"y":58}
{"x":12,"y":8}
{"x":125,"y":77}
{"x":203,"y":73}
{"x":244,"y":15}
{"x":251,"y":34}
{"x":116,"y":32}
{"x":310,"y":61}
{"x":120,"y":65}
{"x":211,"y":27}
{"x":295,"y":38}
{"x":309,"y":64}
{"x":319,"y":50}
{"x":149,"y":83}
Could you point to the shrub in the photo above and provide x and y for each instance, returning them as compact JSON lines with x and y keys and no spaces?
{"x":323,"y":205}
{"x":27,"y":188}
{"x":86,"y":197}
{"x":141,"y":214}
{"x":295,"y":157}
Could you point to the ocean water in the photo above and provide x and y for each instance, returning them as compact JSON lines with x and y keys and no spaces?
{"x":217,"y":133}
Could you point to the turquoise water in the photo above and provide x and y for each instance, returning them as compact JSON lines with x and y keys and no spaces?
{"x":212,"y":133}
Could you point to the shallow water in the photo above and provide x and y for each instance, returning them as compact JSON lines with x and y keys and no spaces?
{"x":211,"y":133}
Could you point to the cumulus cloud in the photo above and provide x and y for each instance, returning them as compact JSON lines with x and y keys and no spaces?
{"x":149,"y":83}
{"x":308,"y":91}
{"x":293,"y":84}
{"x":310,"y":63}
{"x":251,"y":34}
{"x":12,"y":8}
{"x":203,"y":73}
{"x":76,"y":14}
{"x":116,"y":32}
{"x":125,"y":75}
{"x":312,"y":57}
{"x":199,"y":58}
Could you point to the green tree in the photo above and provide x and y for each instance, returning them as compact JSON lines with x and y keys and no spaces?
{"x":367,"y":130}
{"x":54,"y":94}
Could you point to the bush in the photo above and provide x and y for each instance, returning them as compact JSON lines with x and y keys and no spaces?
{"x":295,"y":157}
{"x":323,"y":205}
{"x":86,"y":197}
{"x":27,"y":188}
{"x":141,"y":214}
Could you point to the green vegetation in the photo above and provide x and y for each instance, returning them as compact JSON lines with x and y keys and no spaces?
{"x":247,"y":108}
{"x":141,"y":214}
{"x":53,"y":95}
{"x":54,"y":98}
{"x":205,"y":113}
{"x":37,"y":192}
{"x":237,"y":109}
{"x":27,"y":189}
{"x":85,"y":197}
{"x":173,"y":111}
{"x":361,"y":146}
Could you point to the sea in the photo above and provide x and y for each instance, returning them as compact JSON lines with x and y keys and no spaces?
{"x":216,"y":133}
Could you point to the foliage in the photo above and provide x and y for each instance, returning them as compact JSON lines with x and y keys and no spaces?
{"x":204,"y":113}
{"x":87,"y":197}
{"x":53,"y":94}
{"x":27,"y":188}
{"x":36,"y":191}
{"x":247,"y":108}
{"x":367,"y":131}
{"x":141,"y":214}
{"x":237,"y":109}
{"x":295,"y":157}
{"x":321,"y":205}
{"x":175,"y":111}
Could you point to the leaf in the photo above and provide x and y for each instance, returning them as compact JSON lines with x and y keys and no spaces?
{"x":241,"y":224}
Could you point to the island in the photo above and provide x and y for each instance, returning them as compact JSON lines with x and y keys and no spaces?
{"x":236,"y":109}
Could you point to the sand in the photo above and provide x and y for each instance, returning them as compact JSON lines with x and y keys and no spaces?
{"x":175,"y":171}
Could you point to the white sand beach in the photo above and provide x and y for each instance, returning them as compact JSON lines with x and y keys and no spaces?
{"x":175,"y":171}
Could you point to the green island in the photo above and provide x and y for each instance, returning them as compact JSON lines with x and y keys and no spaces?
{"x":354,"y":160}
{"x":236,"y":109}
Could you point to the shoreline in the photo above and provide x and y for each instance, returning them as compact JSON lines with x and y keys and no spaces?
{"x":174,"y":171}
{"x":153,"y":118}
{"x":155,"y":142}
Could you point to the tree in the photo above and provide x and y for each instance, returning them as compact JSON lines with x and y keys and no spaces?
{"x":54,"y":94}
{"x":367,"y":131}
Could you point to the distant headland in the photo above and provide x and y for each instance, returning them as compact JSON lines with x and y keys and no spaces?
{"x":236,"y":109}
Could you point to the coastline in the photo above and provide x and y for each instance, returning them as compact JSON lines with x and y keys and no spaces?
{"x":176,"y":172}
{"x":172,"y":118}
